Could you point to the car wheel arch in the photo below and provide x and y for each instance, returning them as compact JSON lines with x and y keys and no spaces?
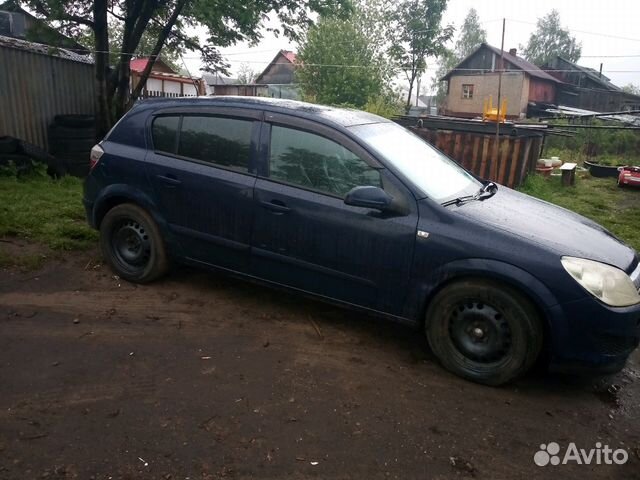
{"x":115,"y":195}
{"x":496,"y":271}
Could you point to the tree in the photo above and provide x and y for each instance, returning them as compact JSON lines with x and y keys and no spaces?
{"x":631,"y":88}
{"x":168,"y":21}
{"x":341,"y":62}
{"x":549,"y":40}
{"x":471,"y":35}
{"x":246,"y":74}
{"x":419,"y":35}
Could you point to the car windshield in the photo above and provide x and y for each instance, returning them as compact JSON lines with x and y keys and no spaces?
{"x":437,"y":176}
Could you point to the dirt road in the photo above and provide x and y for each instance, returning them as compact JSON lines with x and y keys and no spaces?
{"x":201,"y":377}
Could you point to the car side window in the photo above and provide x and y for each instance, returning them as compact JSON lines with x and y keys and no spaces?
{"x":165,"y":132}
{"x":317,"y":163}
{"x":217,"y":140}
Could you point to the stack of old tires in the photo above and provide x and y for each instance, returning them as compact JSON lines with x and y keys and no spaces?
{"x":71,"y":138}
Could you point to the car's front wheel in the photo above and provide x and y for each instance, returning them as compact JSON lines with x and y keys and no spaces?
{"x":132,"y":245}
{"x":484,"y":331}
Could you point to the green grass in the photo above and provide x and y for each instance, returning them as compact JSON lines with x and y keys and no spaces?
{"x":45,"y":211}
{"x":600,"y":199}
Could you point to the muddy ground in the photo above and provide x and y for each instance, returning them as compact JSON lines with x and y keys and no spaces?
{"x":200,"y":376}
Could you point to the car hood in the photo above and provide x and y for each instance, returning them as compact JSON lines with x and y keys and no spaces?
{"x":558,"y":229}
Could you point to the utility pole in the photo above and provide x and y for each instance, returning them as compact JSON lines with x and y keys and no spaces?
{"x":494,"y":165}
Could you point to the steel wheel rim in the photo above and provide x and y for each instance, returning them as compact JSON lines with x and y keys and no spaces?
{"x":480,"y":332}
{"x":131,"y":245}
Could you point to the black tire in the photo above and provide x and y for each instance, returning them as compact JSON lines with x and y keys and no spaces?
{"x":36,"y":153}
{"x":75,"y":121}
{"x":75,"y":164}
{"x":132,"y":245}
{"x":484,"y":331}
{"x":8,"y":145}
{"x":60,"y":132}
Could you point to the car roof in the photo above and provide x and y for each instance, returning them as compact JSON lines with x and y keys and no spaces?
{"x":345,"y":117}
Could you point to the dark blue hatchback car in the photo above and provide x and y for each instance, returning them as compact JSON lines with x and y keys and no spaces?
{"x":354,"y":209}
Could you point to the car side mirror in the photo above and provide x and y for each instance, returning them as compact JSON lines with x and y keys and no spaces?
{"x":368,"y":197}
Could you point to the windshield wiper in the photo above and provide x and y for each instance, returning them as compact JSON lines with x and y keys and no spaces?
{"x":487,"y":190}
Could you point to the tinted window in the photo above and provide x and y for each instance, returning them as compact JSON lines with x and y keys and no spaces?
{"x":317,"y":163}
{"x":164,"y":133}
{"x":221,"y":141}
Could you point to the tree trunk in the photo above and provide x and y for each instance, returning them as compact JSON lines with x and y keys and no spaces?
{"x":162,"y":38}
{"x":411,"y":81}
{"x":103,"y":110}
{"x":136,"y":22}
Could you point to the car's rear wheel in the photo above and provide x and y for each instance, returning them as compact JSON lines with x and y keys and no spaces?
{"x":484,"y":331}
{"x":132,"y":245}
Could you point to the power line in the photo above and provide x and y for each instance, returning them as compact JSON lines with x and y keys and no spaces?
{"x":599,"y":34}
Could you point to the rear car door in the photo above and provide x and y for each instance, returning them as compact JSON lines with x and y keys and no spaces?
{"x":202,"y":167}
{"x":306,"y":237}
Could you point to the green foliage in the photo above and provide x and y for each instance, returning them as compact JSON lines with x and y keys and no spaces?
{"x":339,"y":64}
{"x":387,"y":106}
{"x":610,"y":147}
{"x":418,"y":35}
{"x":549,"y":40}
{"x":599,"y":199}
{"x":44,"y":210}
{"x":171,"y":24}
{"x":471,"y":35}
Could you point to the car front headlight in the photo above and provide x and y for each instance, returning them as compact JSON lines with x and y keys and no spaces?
{"x":609,"y":284}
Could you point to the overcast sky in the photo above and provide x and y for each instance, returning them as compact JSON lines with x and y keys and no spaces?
{"x":607,"y":29}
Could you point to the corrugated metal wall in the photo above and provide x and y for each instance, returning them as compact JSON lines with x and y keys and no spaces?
{"x":35,"y":87}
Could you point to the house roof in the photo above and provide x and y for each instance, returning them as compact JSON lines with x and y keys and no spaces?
{"x":517,"y":62}
{"x":43,"y":49}
{"x":139,"y":64}
{"x":43,"y":34}
{"x":288,"y":55}
{"x":593,"y":75}
{"x":214,"y":79}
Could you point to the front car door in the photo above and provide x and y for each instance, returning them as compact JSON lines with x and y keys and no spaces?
{"x":202,"y":167}
{"x":306,"y":237}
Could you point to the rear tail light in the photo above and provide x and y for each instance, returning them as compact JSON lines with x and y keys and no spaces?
{"x":96,"y":154}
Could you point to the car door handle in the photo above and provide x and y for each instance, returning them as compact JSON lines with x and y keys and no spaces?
{"x":276,"y":206}
{"x":169,"y":180}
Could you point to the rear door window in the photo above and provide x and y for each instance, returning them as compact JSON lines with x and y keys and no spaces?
{"x":221,"y":141}
{"x":165,"y":134}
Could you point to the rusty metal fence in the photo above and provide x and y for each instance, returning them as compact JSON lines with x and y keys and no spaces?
{"x":472,"y":144}
{"x":36,"y":86}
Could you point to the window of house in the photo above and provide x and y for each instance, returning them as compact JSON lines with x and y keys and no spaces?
{"x":467,"y":91}
{"x":165,"y":132}
{"x":317,"y":163}
{"x":225,"y":142}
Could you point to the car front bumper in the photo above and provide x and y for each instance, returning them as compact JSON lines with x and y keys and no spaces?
{"x":586,"y":334}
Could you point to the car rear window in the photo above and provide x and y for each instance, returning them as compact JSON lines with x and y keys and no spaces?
{"x":218,"y":140}
{"x":165,"y":132}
